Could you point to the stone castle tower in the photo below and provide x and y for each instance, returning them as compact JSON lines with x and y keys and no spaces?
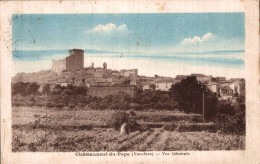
{"x":75,"y":61}
{"x":104,"y":65}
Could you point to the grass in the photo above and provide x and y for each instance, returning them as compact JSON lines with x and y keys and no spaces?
{"x":104,"y":140}
{"x":88,"y":130}
{"x":25,"y":115}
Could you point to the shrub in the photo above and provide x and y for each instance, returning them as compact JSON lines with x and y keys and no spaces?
{"x":40,"y":104}
{"x":66,"y":108}
{"x":46,"y":88}
{"x":60,"y":105}
{"x":17,"y":142}
{"x":153,"y":100}
{"x":132,"y":113}
{"x":32,"y":99}
{"x":18,"y":104}
{"x":170,"y":127}
{"x":93,"y":105}
{"x":225,"y":107}
{"x":72,"y":106}
{"x":35,"y":124}
{"x":25,"y":88}
{"x":119,"y":118}
{"x":30,"y":104}
{"x":51,"y":105}
{"x":85,"y":127}
{"x":133,"y":125}
{"x":32,"y":147}
{"x":32,"y":88}
{"x":232,"y":123}
{"x":144,"y":127}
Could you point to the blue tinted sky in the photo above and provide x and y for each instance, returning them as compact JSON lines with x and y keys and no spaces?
{"x":131,"y":32}
{"x":164,"y":44}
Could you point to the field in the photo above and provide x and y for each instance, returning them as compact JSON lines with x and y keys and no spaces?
{"x":88,"y":130}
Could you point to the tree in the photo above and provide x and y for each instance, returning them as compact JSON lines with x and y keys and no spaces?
{"x":79,"y":90}
{"x":126,"y":82}
{"x":19,"y":88}
{"x":46,"y":88}
{"x":231,"y":122}
{"x":152,"y":86}
{"x":189,"y":94}
{"x":32,"y":88}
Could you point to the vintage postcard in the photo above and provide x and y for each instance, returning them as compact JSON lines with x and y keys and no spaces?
{"x":135,"y":82}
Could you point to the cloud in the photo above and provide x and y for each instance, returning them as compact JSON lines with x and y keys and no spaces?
{"x":197,"y":40}
{"x":109,"y":28}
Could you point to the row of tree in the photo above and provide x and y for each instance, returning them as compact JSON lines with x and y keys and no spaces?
{"x":186,"y":95}
{"x":25,"y":88}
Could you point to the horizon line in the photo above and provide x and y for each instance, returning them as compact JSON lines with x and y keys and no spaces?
{"x":109,"y":51}
{"x":143,"y":75}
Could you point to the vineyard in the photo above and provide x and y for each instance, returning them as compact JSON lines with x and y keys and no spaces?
{"x":70,"y":131}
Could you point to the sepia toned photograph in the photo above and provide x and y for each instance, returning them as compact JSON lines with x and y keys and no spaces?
{"x":128,"y":82}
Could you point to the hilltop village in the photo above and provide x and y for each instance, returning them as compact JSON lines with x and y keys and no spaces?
{"x":102,"y":81}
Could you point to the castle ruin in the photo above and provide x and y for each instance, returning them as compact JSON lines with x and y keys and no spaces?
{"x":75,"y":61}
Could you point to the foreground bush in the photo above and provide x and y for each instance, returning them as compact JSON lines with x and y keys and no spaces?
{"x":119,"y":118}
{"x":234,"y":123}
{"x":153,"y":100}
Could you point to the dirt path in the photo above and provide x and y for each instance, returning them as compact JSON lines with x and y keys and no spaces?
{"x":124,"y":138}
{"x":159,"y":143}
{"x":136,"y":140}
{"x":149,"y":140}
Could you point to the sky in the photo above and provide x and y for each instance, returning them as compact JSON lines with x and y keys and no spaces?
{"x":183,"y":42}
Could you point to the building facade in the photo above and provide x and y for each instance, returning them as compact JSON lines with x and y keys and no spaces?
{"x":75,"y":61}
{"x":164,"y":84}
{"x":238,"y":87}
{"x":58,"y":65}
{"x":213,"y":86}
{"x":128,"y":73}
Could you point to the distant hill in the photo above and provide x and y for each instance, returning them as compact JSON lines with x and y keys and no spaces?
{"x":39,"y":77}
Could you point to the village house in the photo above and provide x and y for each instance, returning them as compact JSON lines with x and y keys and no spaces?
{"x":71,"y":71}
{"x":164,"y":84}
{"x":128,"y":73}
{"x":214,"y":87}
{"x":133,"y":81}
{"x":220,"y":79}
{"x":225,"y":91}
{"x":238,"y":87}
{"x":231,"y":87}
{"x":63,"y":83}
{"x":146,"y":86}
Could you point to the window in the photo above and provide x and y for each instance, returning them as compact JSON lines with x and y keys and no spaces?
{"x":235,"y":89}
